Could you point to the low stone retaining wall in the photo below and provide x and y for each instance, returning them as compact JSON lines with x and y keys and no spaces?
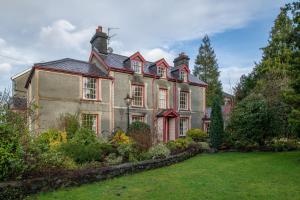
{"x":20,"y":189}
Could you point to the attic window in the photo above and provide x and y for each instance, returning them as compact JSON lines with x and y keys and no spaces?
{"x":183,"y":76}
{"x":161,"y":71}
{"x":136,"y":66}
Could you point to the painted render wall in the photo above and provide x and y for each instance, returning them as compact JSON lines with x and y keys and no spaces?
{"x":61,"y":93}
{"x":19,"y":82}
{"x":122,"y":86}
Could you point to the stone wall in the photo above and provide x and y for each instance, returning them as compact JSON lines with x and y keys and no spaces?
{"x":23,"y":188}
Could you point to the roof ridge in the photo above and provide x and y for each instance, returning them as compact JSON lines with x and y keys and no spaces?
{"x":60,"y":60}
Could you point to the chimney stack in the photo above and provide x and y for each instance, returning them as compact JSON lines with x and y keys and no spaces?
{"x":99,"y":41}
{"x":181,"y":59}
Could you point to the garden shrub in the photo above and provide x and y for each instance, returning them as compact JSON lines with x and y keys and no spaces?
{"x":204,"y":145}
{"x":120,"y":138}
{"x":127,"y":151}
{"x":113,"y":159}
{"x":140,"y":132}
{"x":158,"y":151}
{"x":172,"y":146}
{"x":84,"y":147}
{"x":182,"y":143}
{"x":51,"y":139}
{"x":197,"y":134}
{"x":69,"y":123}
{"x":284,"y":144}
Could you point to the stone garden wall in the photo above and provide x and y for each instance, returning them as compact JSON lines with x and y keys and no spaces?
{"x":22,"y":188}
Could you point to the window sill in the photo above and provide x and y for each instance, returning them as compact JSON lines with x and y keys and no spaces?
{"x":91,"y":100}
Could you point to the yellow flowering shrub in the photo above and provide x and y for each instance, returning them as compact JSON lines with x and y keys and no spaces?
{"x":121,"y":138}
{"x":52,"y":138}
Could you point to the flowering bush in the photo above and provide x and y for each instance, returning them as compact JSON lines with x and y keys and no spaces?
{"x":158,"y":151}
{"x":120,"y":138}
{"x":197,"y":134}
{"x":284,"y":144}
{"x":51,"y":139}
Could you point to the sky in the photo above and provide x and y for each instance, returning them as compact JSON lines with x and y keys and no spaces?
{"x":33,"y":31}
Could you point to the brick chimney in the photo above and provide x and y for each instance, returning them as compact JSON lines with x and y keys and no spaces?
{"x":99,"y":41}
{"x":181,"y":59}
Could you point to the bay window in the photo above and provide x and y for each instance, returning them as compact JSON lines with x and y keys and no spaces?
{"x":137,"y":95}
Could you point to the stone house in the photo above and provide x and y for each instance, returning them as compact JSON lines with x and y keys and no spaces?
{"x":168,"y":98}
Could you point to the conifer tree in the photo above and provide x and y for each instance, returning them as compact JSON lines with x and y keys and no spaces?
{"x":206,"y":68}
{"x":293,"y":96}
{"x":216,"y":128}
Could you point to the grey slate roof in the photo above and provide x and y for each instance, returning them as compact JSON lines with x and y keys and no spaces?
{"x":117,"y":61}
{"x":73,"y":66}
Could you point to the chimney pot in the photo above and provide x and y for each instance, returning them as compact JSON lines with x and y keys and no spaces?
{"x":99,"y":29}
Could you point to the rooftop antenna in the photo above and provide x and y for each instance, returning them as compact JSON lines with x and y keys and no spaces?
{"x":109,"y":29}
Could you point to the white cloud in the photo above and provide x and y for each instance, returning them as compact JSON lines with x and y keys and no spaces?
{"x":230,"y":76}
{"x":5,"y":67}
{"x":61,"y":34}
{"x":158,"y":53}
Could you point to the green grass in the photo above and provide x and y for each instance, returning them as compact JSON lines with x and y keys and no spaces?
{"x":209,"y":176}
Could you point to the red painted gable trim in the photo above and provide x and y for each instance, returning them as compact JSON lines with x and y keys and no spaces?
{"x":162,"y":61}
{"x":137,"y":54}
{"x":93,"y":53}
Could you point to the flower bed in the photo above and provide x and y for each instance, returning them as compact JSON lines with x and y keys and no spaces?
{"x":20,"y":189}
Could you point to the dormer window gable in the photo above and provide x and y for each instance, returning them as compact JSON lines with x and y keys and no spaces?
{"x":162,"y":68}
{"x":184,"y":74}
{"x":137,"y":63}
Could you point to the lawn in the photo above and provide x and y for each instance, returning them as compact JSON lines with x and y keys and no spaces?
{"x":209,"y":176}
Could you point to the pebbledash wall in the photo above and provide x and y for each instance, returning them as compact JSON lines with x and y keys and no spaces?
{"x":56,"y":88}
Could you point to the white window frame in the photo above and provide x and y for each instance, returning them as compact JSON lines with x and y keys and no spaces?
{"x":163,"y":98}
{"x":87,"y":88}
{"x":183,"y":126}
{"x":161,"y":71}
{"x":140,"y":118}
{"x":184,"y":100}
{"x":136,"y":66}
{"x":183,"y":76}
{"x":93,"y":123}
{"x":134,"y":92}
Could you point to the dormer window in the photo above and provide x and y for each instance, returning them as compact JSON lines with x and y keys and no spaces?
{"x":183,"y":76}
{"x":136,"y":66}
{"x":161,"y":71}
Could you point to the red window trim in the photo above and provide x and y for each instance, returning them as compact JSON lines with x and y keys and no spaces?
{"x":167,"y":98}
{"x":97,"y":120}
{"x":188,"y":124}
{"x":188,"y":100}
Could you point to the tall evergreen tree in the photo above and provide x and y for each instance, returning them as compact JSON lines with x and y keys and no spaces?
{"x":216,"y":128}
{"x":206,"y":68}
{"x":293,"y":96}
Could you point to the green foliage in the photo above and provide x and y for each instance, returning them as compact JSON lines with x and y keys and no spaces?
{"x":245,"y":86}
{"x":50,"y":139}
{"x":70,"y":124}
{"x":171,"y":146}
{"x":249,"y":120}
{"x":216,"y":128}
{"x":206,"y":68}
{"x":293,"y":95}
{"x":284,"y":144}
{"x":84,"y":147}
{"x":182,"y":143}
{"x":120,"y":138}
{"x":197,"y":134}
{"x":158,"y":151}
{"x":141,"y":134}
{"x":113,"y":159}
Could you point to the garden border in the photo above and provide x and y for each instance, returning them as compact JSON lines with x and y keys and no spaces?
{"x":21,"y":189}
